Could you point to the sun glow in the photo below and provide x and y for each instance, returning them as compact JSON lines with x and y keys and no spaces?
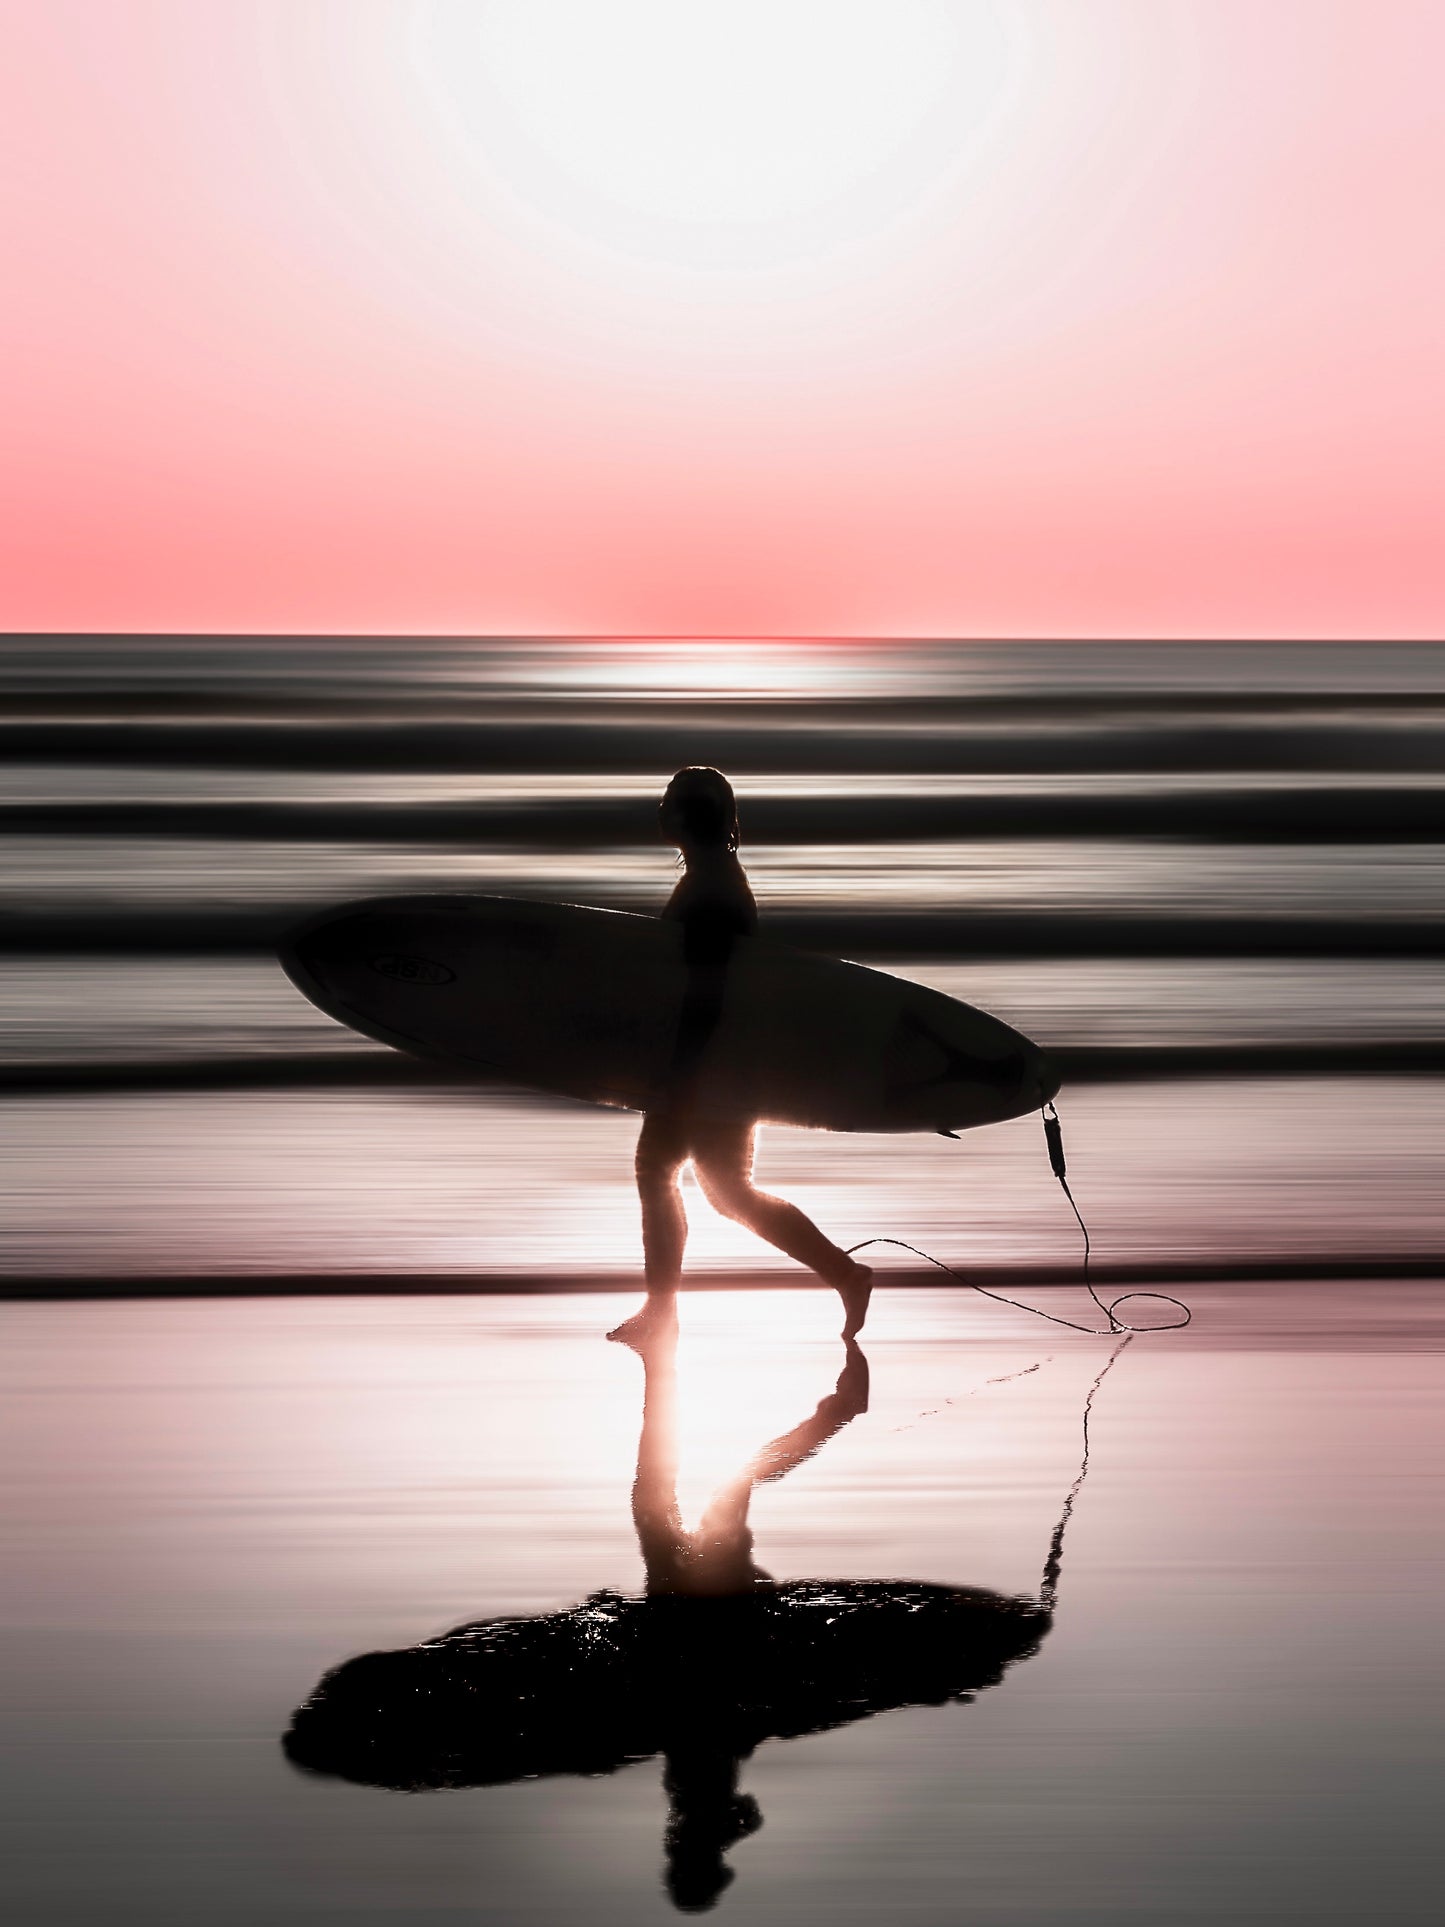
{"x":675,"y":318}
{"x":718,"y":135}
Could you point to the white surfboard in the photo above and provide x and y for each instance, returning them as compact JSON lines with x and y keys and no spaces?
{"x":587,"y":1003}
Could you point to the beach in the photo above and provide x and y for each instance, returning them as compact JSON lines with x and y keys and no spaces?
{"x":303,"y":1339}
{"x":211,"y":1505}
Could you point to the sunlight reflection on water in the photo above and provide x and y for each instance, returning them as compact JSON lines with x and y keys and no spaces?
{"x":1233,"y":1716}
{"x":432,"y":1182}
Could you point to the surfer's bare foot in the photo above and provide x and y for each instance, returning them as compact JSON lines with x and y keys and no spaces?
{"x":657,"y":1318}
{"x":856,"y":1291}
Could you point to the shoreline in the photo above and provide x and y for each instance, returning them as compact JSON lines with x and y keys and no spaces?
{"x":382,"y":1069}
{"x":1339,"y":1268}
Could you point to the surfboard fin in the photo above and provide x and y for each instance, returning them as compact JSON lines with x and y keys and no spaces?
{"x":952,"y":1134}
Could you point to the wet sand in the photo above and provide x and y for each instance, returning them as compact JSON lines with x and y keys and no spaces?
{"x":209,"y":1505}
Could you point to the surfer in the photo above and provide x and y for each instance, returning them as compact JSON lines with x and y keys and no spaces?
{"x":715,"y":907}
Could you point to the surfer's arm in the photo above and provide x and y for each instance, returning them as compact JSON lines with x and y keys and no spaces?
{"x":713,"y":916}
{"x":711,"y":925}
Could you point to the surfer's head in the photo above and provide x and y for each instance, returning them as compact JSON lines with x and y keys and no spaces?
{"x":699,"y":811}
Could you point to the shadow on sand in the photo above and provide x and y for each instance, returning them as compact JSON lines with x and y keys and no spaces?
{"x":714,"y":1659}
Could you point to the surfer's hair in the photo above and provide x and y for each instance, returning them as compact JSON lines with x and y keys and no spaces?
{"x":699,"y":808}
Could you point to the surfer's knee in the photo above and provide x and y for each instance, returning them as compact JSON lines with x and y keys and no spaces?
{"x":722,"y":1162}
{"x":732,"y":1193}
{"x":724,"y":1190}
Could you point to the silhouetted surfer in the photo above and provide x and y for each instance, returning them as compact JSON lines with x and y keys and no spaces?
{"x":715,"y":907}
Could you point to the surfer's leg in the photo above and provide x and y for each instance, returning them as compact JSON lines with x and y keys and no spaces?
{"x":723,"y":1161}
{"x":661,"y":1153}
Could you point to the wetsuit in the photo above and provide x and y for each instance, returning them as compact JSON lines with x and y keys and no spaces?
{"x":715,"y":907}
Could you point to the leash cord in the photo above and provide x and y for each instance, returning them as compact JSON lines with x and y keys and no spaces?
{"x":1054,"y":1138}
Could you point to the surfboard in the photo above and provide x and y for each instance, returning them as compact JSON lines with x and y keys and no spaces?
{"x":587,"y":1003}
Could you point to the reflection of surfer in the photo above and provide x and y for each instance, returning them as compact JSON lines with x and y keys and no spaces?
{"x":714,"y":1660}
{"x":716,"y":1560}
{"x":707,"y":1812}
{"x":715,"y":907}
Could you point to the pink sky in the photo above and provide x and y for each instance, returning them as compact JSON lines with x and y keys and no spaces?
{"x":1072,"y":317}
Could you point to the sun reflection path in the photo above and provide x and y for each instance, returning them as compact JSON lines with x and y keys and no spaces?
{"x":747,"y":1367}
{"x":722,"y":669}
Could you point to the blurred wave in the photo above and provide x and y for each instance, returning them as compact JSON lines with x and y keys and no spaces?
{"x":1176,"y":865}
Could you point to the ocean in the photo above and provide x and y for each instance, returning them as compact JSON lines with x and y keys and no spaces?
{"x":1207,"y":879}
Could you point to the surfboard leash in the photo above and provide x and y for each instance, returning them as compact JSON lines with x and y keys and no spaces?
{"x":1117,"y":1326}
